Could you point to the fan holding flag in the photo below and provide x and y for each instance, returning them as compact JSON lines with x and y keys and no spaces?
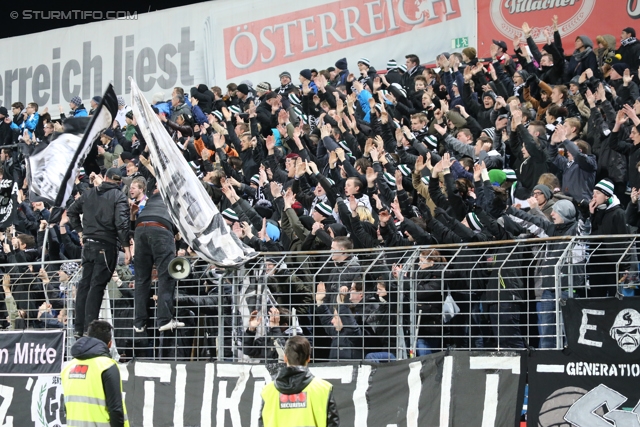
{"x":105,"y":222}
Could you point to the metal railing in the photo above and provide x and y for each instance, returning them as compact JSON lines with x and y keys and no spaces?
{"x":383,"y":304}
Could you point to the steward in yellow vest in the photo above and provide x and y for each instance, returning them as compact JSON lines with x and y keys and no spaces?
{"x":91,"y":382}
{"x":296,"y":398}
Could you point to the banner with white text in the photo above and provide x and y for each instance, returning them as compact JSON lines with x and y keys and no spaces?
{"x":215,"y":43}
{"x":31,"y":352}
{"x":503,"y":19}
{"x":567,"y":390}
{"x":455,"y":389}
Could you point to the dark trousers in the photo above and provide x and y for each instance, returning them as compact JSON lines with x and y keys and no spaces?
{"x":154,"y":246}
{"x":505,"y":323}
{"x":98,"y":263}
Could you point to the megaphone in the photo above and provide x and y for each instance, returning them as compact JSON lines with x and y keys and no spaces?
{"x":179,"y":268}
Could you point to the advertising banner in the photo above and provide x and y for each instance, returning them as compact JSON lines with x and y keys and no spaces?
{"x":503,"y":19}
{"x":225,"y":41}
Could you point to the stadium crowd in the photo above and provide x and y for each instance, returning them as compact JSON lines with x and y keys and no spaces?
{"x":535,"y":141}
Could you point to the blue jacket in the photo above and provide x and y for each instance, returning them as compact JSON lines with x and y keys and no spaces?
{"x":80,"y":112}
{"x":164,"y":107}
{"x":29,"y":124}
{"x":363,"y":99}
{"x":198,"y":115}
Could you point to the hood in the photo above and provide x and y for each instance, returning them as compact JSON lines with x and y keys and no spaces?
{"x":106,"y":186}
{"x":293,"y":379}
{"x":586,"y":41}
{"x":338,"y":229}
{"x":88,"y":348}
{"x":611,"y":41}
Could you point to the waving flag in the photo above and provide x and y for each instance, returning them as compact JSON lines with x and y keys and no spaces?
{"x":190,"y":207}
{"x":52,"y":171}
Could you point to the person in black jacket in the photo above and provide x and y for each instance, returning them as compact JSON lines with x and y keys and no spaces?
{"x":610,"y":258}
{"x":6,"y":134}
{"x":341,"y":325}
{"x":269,"y":347}
{"x":105,"y":223}
{"x":205,"y":97}
{"x":629,"y":48}
{"x":528,"y":153}
{"x":155,"y":244}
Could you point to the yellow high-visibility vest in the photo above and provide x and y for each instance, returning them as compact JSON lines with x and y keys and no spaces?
{"x":83,"y":393}
{"x":305,"y":409}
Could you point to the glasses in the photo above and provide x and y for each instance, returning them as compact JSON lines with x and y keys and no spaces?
{"x":537,"y":193}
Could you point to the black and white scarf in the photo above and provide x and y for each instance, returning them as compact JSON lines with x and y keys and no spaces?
{"x":628,"y":41}
{"x":284,"y":89}
{"x":516,"y":89}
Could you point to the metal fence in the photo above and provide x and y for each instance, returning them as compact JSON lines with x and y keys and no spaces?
{"x":382,"y":304}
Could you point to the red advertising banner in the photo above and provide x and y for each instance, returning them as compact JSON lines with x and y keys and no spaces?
{"x":503,"y":19}
{"x":292,"y":36}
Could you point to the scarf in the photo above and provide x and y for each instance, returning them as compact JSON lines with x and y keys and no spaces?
{"x":579,"y":56}
{"x":516,"y":89}
{"x":615,"y":202}
{"x":284,"y":89}
{"x":628,"y":41}
{"x":298,"y":111}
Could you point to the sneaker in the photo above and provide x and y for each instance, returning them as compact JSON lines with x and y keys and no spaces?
{"x":139,"y":330}
{"x":171,"y":325}
{"x":77,"y":335}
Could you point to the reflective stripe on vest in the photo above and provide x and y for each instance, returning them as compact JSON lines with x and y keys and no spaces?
{"x":84,"y":393}
{"x":307,"y":408}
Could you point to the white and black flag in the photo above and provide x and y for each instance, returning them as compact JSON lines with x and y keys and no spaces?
{"x":52,"y":172}
{"x":8,"y":201}
{"x":190,"y":207}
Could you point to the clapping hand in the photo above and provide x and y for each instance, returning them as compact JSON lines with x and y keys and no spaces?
{"x":274,"y":317}
{"x":254,"y":320}
{"x":321,"y":292}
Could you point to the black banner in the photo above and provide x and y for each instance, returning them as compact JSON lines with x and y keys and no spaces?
{"x":604,"y":330}
{"x":565,"y":390}
{"x":455,"y":389}
{"x":31,"y":352}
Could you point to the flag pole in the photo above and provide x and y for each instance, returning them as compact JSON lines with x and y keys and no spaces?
{"x":44,"y":246}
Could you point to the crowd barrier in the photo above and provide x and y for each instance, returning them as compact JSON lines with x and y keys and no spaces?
{"x":382,"y":304}
{"x":592,"y":382}
{"x":489,"y":296}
